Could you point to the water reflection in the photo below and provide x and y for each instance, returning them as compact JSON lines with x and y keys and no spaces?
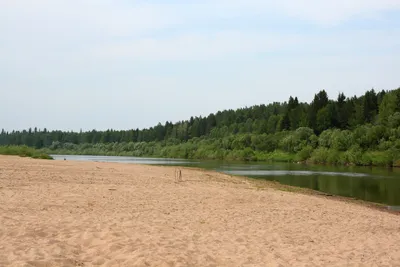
{"x":286,"y":172}
{"x":356,"y":185}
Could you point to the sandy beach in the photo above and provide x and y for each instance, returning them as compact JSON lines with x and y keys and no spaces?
{"x":65,"y":213}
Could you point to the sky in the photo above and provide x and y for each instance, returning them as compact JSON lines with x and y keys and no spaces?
{"x":102,"y":64}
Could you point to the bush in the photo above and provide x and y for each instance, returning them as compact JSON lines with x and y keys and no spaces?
{"x":379,"y":158}
{"x":304,"y":154}
{"x":325,"y":138}
{"x":333,"y":157}
{"x":365,"y":160}
{"x":342,"y":140}
{"x":352,"y":156}
{"x":304,"y":133}
{"x":320,"y":155}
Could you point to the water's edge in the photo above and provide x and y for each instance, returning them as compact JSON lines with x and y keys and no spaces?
{"x":375,"y":185}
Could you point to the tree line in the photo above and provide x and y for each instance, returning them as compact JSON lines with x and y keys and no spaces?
{"x":366,"y":123}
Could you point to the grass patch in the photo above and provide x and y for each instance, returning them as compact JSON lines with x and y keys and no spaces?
{"x":281,"y":156}
{"x":23,"y":151}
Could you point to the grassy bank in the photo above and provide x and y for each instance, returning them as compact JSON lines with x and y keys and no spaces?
{"x":23,"y":151}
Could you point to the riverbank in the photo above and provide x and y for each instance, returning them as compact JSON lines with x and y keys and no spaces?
{"x":23,"y":151}
{"x":84,"y":213}
{"x":319,"y":156}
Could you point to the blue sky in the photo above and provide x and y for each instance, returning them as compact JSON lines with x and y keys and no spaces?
{"x":69,"y":64}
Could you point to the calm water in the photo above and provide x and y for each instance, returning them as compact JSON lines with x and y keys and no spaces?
{"x":372,"y":184}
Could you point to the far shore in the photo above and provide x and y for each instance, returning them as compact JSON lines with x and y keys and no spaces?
{"x":291,"y":159}
{"x":77,"y":213}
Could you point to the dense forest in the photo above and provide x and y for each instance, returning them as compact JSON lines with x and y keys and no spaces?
{"x":363,"y":130}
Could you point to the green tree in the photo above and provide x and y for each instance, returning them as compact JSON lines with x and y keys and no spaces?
{"x":388,"y":106}
{"x":370,"y":106}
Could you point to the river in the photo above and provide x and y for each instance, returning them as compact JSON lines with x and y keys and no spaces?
{"x":380,"y":185}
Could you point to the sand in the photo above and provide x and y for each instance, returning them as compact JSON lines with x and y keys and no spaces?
{"x":65,"y":213}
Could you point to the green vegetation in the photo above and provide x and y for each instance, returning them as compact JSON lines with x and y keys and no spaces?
{"x":361,"y":130}
{"x":23,"y":151}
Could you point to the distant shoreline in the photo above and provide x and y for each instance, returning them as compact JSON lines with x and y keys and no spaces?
{"x":277,"y":156}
